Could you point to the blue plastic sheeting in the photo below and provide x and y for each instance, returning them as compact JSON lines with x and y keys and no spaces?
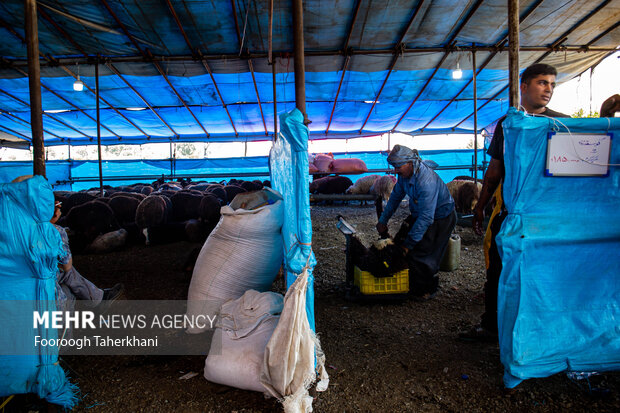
{"x":199,"y":94}
{"x":400,"y":54}
{"x":29,"y":250}
{"x":349,"y":114}
{"x":60,"y":171}
{"x":559,"y":291}
{"x":289,"y":175}
{"x":55,"y":170}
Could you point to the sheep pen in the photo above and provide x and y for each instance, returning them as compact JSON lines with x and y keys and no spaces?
{"x":381,"y":357}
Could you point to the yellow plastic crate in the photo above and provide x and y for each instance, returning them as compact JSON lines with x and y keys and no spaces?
{"x":369,"y":284}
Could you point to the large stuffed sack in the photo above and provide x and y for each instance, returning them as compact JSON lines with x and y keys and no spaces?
{"x":243,"y":252}
{"x":238,"y":345}
{"x":324,"y":162}
{"x":293,"y":357}
{"x":349,"y":166}
{"x":362,"y":185}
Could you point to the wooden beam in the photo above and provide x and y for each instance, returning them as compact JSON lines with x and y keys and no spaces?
{"x":449,"y":45}
{"x":298,"y":58}
{"x":418,"y":7}
{"x":603,"y":34}
{"x":117,"y":73}
{"x":275,"y":98}
{"x":234,"y":10}
{"x":498,"y":44}
{"x":513,"y":53}
{"x":180,"y":26}
{"x":350,"y":31}
{"x":53,"y":61}
{"x":98,"y":131}
{"x":163,"y":74}
{"x":57,"y":60}
{"x":44,"y":113}
{"x":17,"y":118}
{"x":123,"y":28}
{"x":219,"y":94}
{"x":374,"y":102}
{"x":548,"y":51}
{"x":99,"y":97}
{"x":63,"y":33}
{"x":260,"y":106}
{"x":420,"y":92}
{"x":473,"y":65}
{"x":34,"y":82}
{"x":14,"y":132}
{"x":344,"y":69}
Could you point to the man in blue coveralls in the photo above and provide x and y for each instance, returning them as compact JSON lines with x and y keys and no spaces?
{"x":431,"y":221}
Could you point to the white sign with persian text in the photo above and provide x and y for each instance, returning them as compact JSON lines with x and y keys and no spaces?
{"x":578,"y":154}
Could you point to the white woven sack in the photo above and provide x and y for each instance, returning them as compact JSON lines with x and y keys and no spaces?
{"x":289,"y":365}
{"x":243,"y":252}
{"x":238,"y":345}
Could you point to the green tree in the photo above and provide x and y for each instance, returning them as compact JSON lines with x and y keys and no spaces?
{"x":185,"y":149}
{"x":582,"y":114}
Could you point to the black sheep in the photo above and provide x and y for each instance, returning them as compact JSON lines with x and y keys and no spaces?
{"x":89,"y":220}
{"x":74,"y":199}
{"x":153,"y":211}
{"x":219,"y":192}
{"x":330,"y":185}
{"x":210,"y":210}
{"x":186,"y":205}
{"x":124,"y":208}
{"x":383,"y":259}
{"x":232,"y":191}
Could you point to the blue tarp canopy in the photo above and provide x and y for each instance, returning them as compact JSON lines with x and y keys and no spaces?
{"x":198,"y":70}
{"x":559,"y":291}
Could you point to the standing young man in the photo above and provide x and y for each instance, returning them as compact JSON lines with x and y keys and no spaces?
{"x":537,"y":85}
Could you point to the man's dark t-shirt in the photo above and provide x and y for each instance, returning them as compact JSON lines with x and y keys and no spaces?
{"x":496,"y":147}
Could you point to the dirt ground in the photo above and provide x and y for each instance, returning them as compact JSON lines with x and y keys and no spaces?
{"x":397,"y":357}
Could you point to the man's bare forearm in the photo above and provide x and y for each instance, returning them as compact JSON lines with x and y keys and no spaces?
{"x":492,"y":179}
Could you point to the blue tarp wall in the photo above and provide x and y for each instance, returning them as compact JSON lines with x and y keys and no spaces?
{"x":289,"y":175}
{"x":58,"y":171}
{"x":29,"y":250}
{"x":559,"y":291}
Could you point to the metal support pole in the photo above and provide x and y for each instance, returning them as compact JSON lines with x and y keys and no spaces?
{"x":270,"y":31}
{"x":171,"y":167}
{"x":275,"y":100}
{"x":98,"y":129}
{"x":473,"y":63}
{"x":272,"y":62}
{"x":513,"y":52}
{"x":34,"y":82}
{"x":300,"y":70}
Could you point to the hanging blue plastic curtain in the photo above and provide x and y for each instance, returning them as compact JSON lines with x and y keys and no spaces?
{"x":559,"y":291}
{"x":29,"y":250}
{"x":288,"y":162}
